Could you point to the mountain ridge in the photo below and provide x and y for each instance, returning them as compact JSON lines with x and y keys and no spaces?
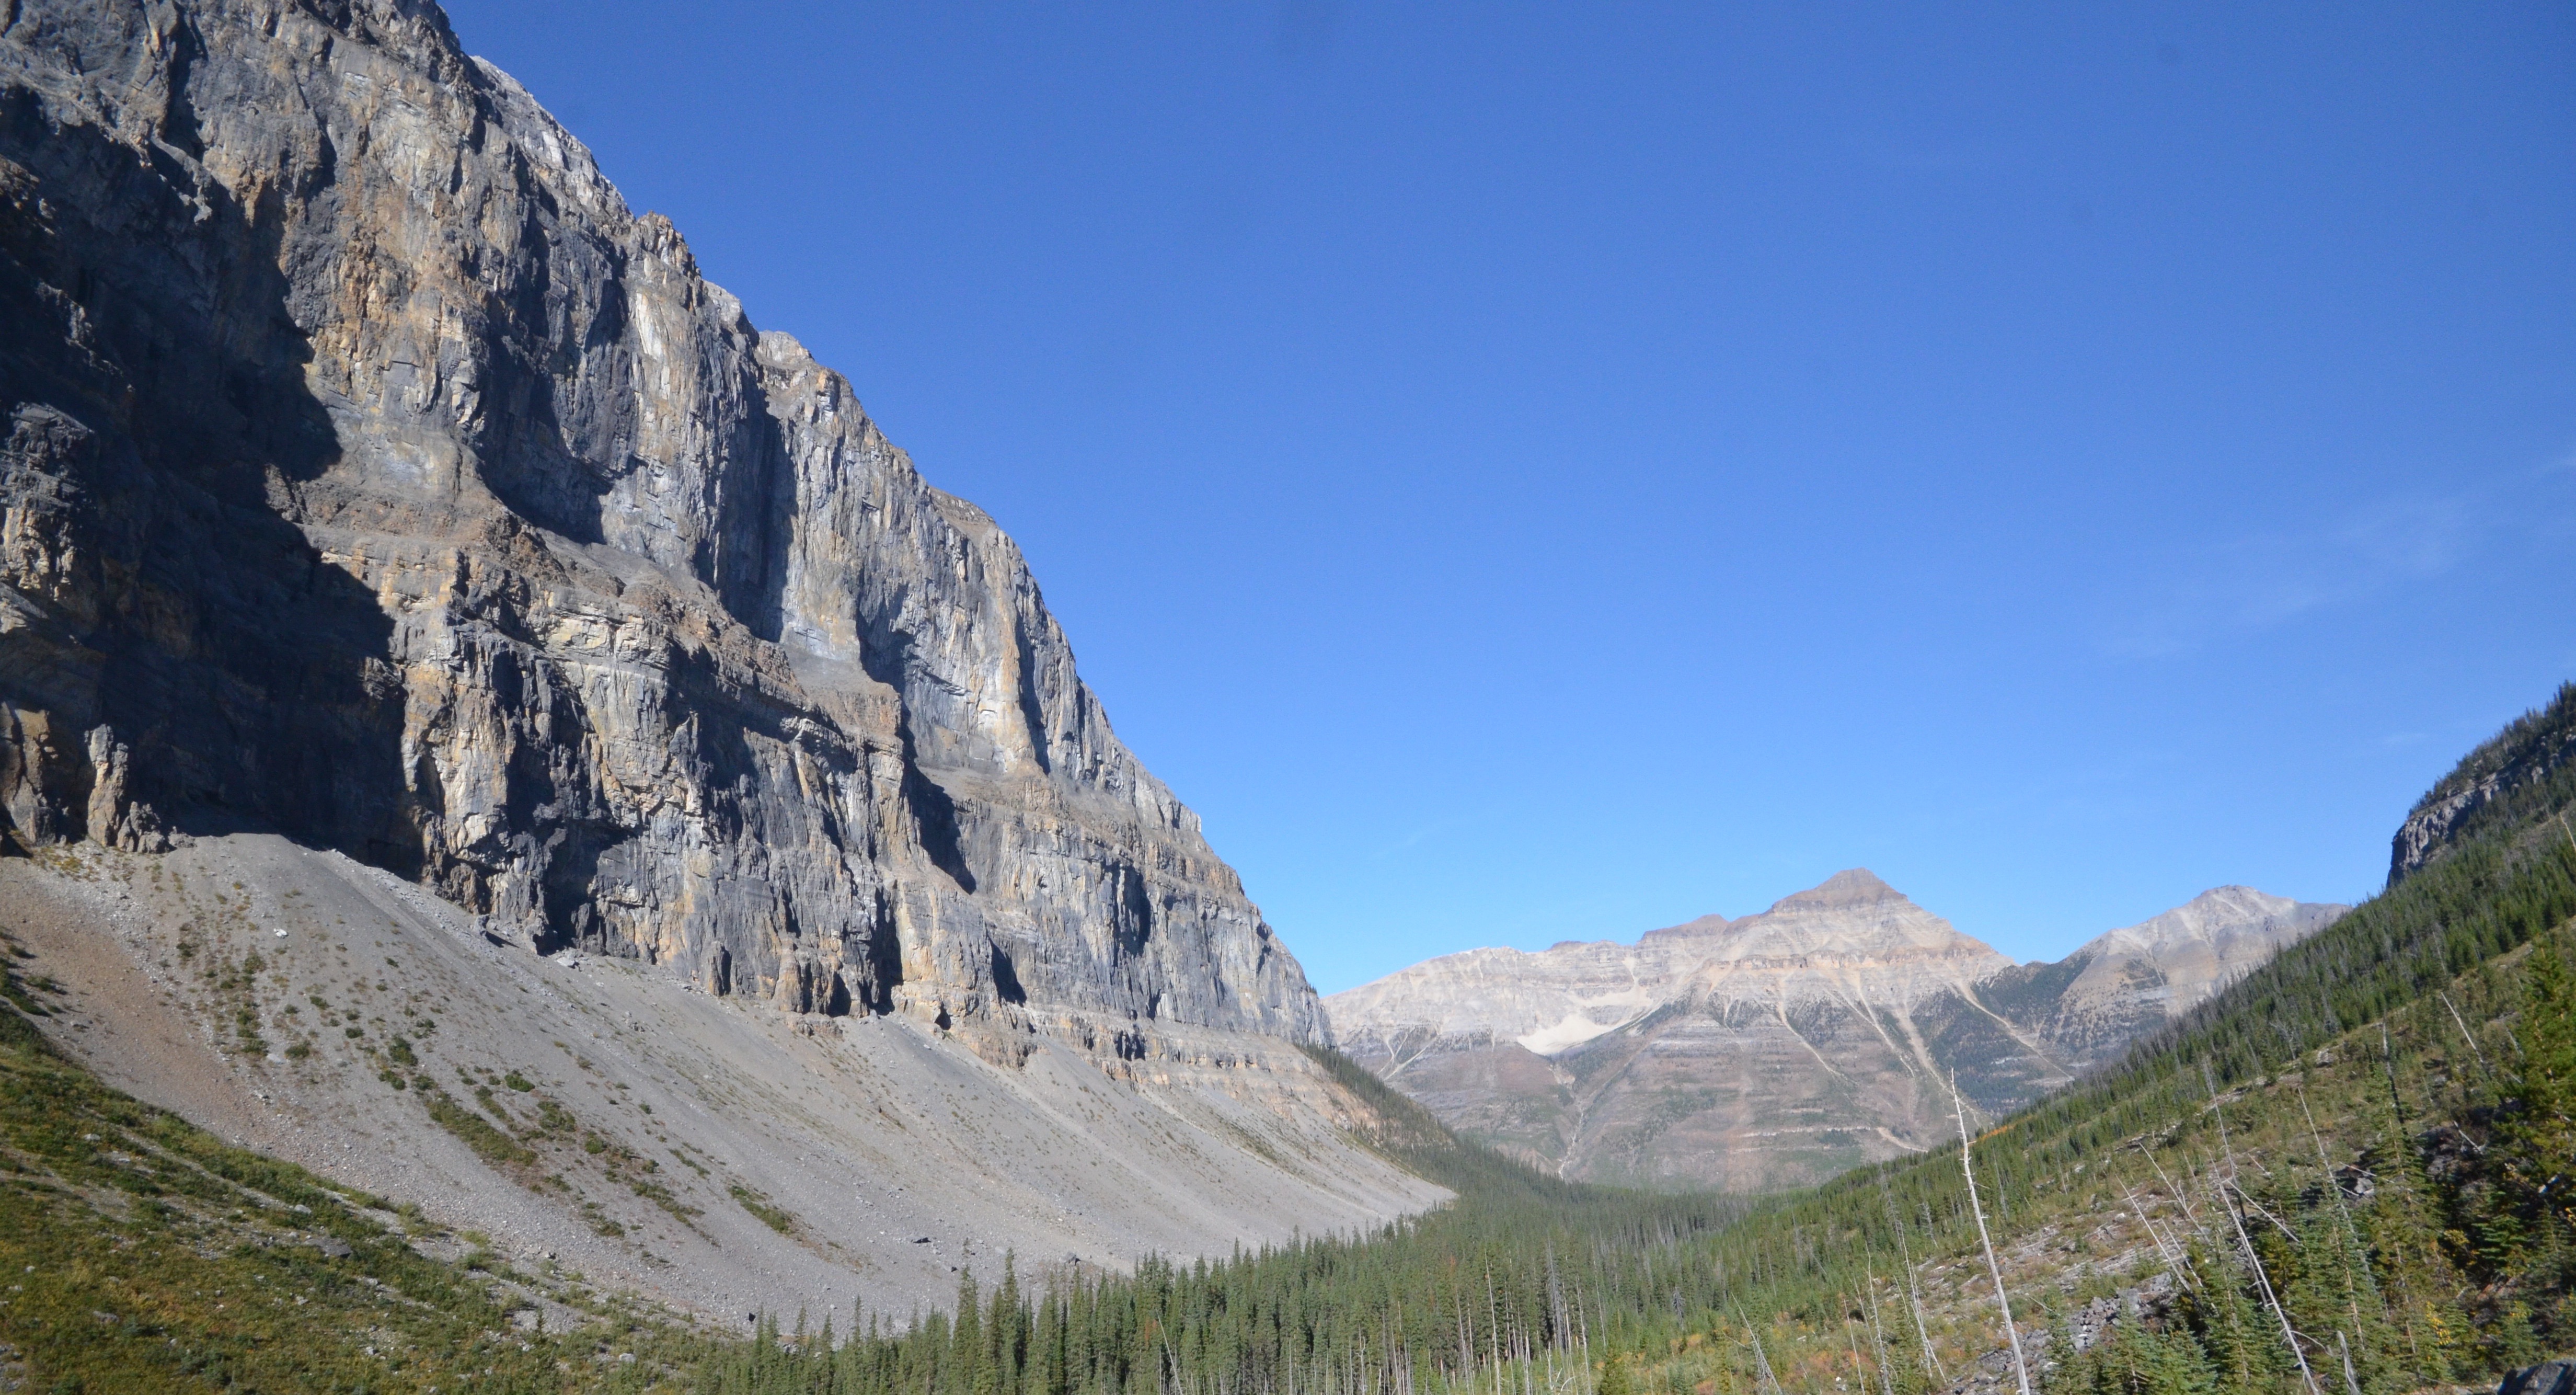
{"x":1833,"y":1019}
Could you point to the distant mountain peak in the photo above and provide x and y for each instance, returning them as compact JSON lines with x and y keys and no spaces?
{"x":2218,"y":913}
{"x":2195,"y":949}
{"x":1832,"y":1010}
{"x":1853,"y":886}
{"x":1689,"y":929}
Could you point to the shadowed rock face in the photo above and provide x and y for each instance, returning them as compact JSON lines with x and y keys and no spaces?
{"x":1785,"y":1047}
{"x":371,"y":474}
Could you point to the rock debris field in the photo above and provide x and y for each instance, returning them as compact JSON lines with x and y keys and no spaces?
{"x":715,"y":1155}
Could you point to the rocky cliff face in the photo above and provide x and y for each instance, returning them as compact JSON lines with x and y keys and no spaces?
{"x":372,"y":474}
{"x":2492,"y":787}
{"x":1784,"y":1047}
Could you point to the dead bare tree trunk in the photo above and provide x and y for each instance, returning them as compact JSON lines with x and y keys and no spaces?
{"x":2262,"y":1279}
{"x":2021,"y":1367}
{"x":1878,"y":1337}
{"x":1760,"y":1358}
{"x":2289,"y":1335}
{"x":1913,"y":1297}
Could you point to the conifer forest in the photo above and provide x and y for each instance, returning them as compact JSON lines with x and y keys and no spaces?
{"x":2354,"y":1173}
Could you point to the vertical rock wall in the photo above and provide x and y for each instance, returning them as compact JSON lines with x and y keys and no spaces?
{"x":372,"y":474}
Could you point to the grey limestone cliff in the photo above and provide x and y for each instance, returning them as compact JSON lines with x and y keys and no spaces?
{"x":373,"y":475}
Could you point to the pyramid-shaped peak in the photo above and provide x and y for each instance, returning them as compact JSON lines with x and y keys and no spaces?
{"x":1854,"y":886}
{"x":2234,"y":895}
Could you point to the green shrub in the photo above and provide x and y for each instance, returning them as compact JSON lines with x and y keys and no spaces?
{"x":488,"y":1143}
{"x":758,"y":1205}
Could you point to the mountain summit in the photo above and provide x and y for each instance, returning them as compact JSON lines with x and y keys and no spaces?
{"x":1853,"y":886}
{"x":1787,"y":1046}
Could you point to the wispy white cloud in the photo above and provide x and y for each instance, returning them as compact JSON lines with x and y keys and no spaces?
{"x":1438,"y":828}
{"x":2256,"y":580}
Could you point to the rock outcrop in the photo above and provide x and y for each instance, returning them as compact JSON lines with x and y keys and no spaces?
{"x":373,"y":475}
{"x":2489,"y":788}
{"x":1784,"y":1047}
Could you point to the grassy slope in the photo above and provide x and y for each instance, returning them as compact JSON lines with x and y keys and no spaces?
{"x":138,"y":1252}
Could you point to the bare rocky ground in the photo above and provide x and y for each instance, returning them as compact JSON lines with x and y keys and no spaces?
{"x":718,"y":1156}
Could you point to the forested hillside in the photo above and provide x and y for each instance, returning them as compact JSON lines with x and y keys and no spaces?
{"x":2348,"y":1173}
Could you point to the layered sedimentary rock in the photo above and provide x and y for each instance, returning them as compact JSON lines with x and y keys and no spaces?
{"x":1565,"y":996}
{"x":1787,"y":1046}
{"x":372,"y":474}
{"x":2125,"y":983}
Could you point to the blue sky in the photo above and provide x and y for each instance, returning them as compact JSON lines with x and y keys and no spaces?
{"x":1531,"y":472}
